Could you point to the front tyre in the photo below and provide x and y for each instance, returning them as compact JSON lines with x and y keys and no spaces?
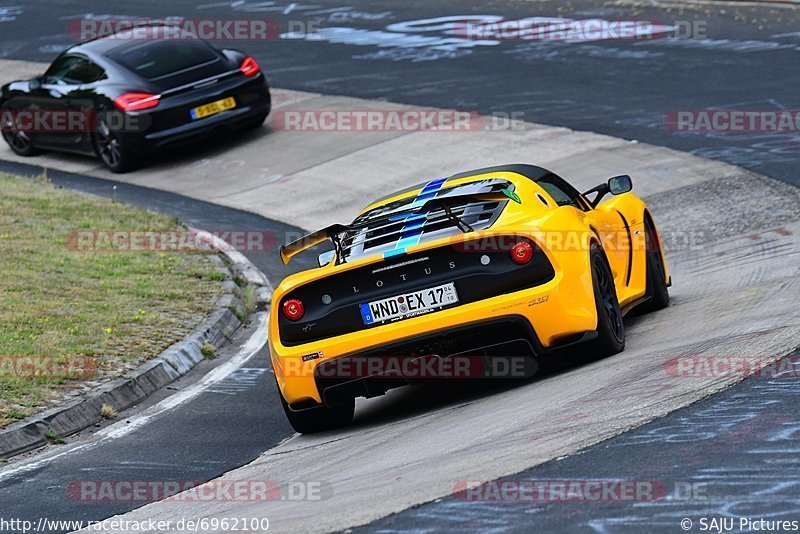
{"x":610,"y":328}
{"x":112,"y":149}
{"x":320,"y":418}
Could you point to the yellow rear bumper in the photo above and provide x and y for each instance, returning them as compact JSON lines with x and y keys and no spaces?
{"x":554,"y":310}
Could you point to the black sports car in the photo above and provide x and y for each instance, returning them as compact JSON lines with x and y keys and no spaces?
{"x":119,"y":97}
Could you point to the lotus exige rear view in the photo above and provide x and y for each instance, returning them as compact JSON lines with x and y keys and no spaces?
{"x":415,"y":282}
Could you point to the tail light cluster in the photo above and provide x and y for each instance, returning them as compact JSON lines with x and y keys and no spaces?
{"x":136,"y":101}
{"x":249,"y":67}
{"x":293,"y":309}
{"x":522,"y":253}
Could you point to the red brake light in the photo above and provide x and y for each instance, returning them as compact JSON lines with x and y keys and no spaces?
{"x":522,"y":252}
{"x":136,"y":101}
{"x":249,"y":67}
{"x":293,"y":309}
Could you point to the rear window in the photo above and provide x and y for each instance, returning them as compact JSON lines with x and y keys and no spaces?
{"x":156,"y":59}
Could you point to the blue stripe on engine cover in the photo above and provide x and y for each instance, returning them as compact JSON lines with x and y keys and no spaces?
{"x":412,"y":230}
{"x":395,"y":252}
{"x":434,"y":185}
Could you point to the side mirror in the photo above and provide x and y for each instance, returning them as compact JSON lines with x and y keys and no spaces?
{"x":35,"y":83}
{"x":325,"y":258}
{"x":620,"y":184}
{"x":616,"y":186}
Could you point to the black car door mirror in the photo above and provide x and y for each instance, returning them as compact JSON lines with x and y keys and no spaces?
{"x":35,"y":83}
{"x":620,"y":184}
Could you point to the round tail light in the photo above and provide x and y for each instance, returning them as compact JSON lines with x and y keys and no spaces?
{"x":522,"y":253}
{"x":293,"y":309}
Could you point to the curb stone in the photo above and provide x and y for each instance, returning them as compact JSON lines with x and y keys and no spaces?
{"x":174,"y":362}
{"x":241,"y":268}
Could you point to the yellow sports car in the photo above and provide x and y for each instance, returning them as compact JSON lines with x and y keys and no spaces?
{"x":450,"y":277}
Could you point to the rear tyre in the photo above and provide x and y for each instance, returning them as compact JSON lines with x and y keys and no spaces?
{"x":610,"y":328}
{"x":657,"y":293}
{"x":17,"y":139}
{"x":320,"y":418}
{"x":112,"y":149}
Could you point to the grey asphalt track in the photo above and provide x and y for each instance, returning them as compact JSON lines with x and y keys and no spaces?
{"x":619,"y":88}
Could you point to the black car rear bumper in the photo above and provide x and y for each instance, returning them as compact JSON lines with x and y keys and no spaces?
{"x":170,"y":123}
{"x":232,"y":119}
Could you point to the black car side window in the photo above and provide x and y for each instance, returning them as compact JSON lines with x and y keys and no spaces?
{"x":88,"y":72}
{"x":73,"y":70}
{"x":563,"y":193}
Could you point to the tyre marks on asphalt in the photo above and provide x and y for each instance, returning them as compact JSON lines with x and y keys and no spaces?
{"x":242,"y":379}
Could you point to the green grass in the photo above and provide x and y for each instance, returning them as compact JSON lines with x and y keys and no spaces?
{"x":53,"y":438}
{"x":116,"y":309}
{"x":209,"y":351}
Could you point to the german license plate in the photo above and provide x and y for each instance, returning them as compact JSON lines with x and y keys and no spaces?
{"x":206,"y":110}
{"x":409,"y":304}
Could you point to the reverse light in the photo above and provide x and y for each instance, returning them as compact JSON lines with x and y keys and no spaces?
{"x":522,"y":253}
{"x":249,"y":67}
{"x":136,"y":101}
{"x":293,"y":309}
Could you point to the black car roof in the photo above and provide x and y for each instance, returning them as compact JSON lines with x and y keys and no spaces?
{"x":104,"y":45}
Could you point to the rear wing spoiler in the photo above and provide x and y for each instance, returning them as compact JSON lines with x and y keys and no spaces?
{"x":331,"y":233}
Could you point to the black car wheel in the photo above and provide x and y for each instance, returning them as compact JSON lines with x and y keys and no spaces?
{"x":112,"y":148}
{"x":657,"y":293}
{"x":320,"y":418}
{"x":610,"y":328}
{"x":18,"y":140}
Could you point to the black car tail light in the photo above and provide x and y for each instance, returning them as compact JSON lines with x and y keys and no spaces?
{"x":136,"y":101}
{"x":249,"y":67}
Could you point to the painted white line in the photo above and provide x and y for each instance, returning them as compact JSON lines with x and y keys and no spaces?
{"x":255,"y":343}
{"x":250,"y":348}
